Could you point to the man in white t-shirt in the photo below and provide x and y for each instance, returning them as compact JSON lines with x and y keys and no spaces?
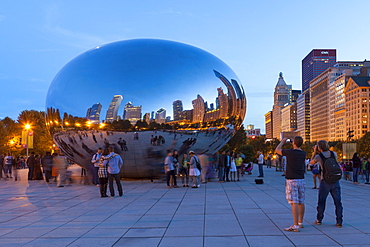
{"x":260,"y":161}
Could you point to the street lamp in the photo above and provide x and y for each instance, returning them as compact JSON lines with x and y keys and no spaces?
{"x":27,"y":127}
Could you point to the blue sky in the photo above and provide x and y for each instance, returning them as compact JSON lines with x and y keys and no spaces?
{"x":257,"y":39}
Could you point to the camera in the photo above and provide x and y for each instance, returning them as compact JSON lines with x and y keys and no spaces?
{"x":287,"y":140}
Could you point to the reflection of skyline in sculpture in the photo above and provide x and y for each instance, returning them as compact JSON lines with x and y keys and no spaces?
{"x":112,"y":112}
{"x":206,"y":101}
{"x":93,"y":113}
{"x":132,"y":113}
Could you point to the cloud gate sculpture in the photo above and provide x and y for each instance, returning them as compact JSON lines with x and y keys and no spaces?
{"x":144,"y":97}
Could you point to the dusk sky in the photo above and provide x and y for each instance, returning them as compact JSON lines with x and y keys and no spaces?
{"x":257,"y":39}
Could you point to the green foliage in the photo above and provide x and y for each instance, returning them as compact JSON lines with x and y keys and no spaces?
{"x":363,"y":145}
{"x":248,"y":151}
{"x":238,"y":139}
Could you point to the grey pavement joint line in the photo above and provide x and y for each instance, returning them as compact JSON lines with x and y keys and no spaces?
{"x":236,"y":216}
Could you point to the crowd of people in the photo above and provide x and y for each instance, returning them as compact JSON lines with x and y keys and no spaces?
{"x":194,"y":169}
{"x":51,"y":167}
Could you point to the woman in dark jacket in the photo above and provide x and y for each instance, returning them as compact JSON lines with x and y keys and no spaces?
{"x":356,"y":161}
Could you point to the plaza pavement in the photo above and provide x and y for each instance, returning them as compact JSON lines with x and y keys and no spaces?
{"x":33,"y":213}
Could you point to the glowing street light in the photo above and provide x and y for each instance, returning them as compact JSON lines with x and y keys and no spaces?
{"x":27,"y":127}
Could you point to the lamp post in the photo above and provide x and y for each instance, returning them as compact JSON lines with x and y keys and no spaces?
{"x":27,"y":127}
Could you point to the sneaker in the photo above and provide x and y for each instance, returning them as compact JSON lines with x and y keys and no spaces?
{"x":313,"y":188}
{"x":292,"y":228}
{"x":339,"y":225}
{"x":317,"y":222}
{"x":300,"y":225}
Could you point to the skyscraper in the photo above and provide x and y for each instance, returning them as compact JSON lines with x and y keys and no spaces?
{"x":177,"y":110}
{"x":282,"y":96}
{"x":316,"y":62}
{"x":93,"y":113}
{"x":112,"y":112}
{"x":160,"y":116}
{"x":132,"y":113}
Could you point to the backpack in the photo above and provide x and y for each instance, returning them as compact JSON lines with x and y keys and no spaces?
{"x":331,"y":169}
{"x":315,"y":169}
{"x":197,"y":163}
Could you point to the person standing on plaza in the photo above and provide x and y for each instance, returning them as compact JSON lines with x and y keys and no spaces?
{"x":31,"y":165}
{"x":239,"y":163}
{"x":356,"y":161}
{"x":320,"y":154}
{"x":37,"y":173}
{"x":268,"y":161}
{"x":8,"y":164}
{"x":221,"y":163}
{"x":114,"y":167}
{"x":227,"y":166}
{"x":61,"y":163}
{"x":367,"y":170}
{"x":260,"y":161}
{"x":315,"y":169}
{"x":295,"y":184}
{"x":95,"y":161}
{"x":103,"y":173}
{"x":184,"y":170}
{"x":2,"y":166}
{"x":47,"y":165}
{"x":169,"y":166}
{"x":194,"y":171}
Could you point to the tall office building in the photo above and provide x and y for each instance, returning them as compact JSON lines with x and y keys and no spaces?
{"x":93,"y":113}
{"x":112,"y":112}
{"x":282,"y":96}
{"x":177,"y":110}
{"x":268,"y":125}
{"x":316,"y":62}
{"x":132,"y":113}
{"x":160,"y":116}
{"x":303,"y":115}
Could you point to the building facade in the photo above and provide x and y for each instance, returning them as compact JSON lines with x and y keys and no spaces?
{"x":112,"y":112}
{"x":316,"y":62}
{"x":132,"y":113}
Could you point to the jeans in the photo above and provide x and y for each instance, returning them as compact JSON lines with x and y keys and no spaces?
{"x":226,"y":174}
{"x":117,"y":178}
{"x":221,"y":172}
{"x":260,"y":170}
{"x":334,"y":190}
{"x":367,"y":173}
{"x":355,"y":174}
{"x":170,"y":174}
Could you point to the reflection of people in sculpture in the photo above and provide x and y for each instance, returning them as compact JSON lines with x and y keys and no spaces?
{"x":136,"y":136}
{"x":122,"y":143}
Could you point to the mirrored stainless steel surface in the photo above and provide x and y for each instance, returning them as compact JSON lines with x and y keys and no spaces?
{"x":155,"y":95}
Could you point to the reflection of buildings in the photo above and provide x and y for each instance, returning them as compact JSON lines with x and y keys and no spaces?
{"x":198,"y":109}
{"x":93,"y":113}
{"x":177,"y":110}
{"x":160,"y":116}
{"x":146,"y":118}
{"x":230,"y":104}
{"x":132,"y":113}
{"x":112,"y":112}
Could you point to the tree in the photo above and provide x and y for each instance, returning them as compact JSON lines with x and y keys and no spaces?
{"x":248,"y":151}
{"x":9,"y":129}
{"x":42,"y":139}
{"x":363,"y":145}
{"x":238,"y":139}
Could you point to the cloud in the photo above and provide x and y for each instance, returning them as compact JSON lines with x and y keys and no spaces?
{"x":66,"y":36}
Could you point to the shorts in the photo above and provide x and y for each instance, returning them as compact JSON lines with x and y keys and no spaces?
{"x":295,"y":190}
